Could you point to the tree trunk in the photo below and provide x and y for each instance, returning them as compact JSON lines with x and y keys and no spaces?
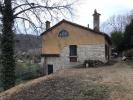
{"x":7,"y":43}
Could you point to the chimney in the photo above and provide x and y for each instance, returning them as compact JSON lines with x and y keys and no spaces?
{"x":47,"y":25}
{"x":88,"y":25}
{"x":96,"y":20}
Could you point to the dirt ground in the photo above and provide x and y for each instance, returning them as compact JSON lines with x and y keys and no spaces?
{"x":114,"y":82}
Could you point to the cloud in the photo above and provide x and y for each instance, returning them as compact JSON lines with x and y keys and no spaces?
{"x":107,"y":8}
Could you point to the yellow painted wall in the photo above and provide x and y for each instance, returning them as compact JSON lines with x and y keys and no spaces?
{"x":52,"y":44}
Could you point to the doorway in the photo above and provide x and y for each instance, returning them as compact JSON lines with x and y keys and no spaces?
{"x":50,"y":68}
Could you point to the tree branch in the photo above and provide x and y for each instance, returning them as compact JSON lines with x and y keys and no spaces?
{"x":19,"y":6}
{"x":45,"y":7}
{"x":27,"y":20}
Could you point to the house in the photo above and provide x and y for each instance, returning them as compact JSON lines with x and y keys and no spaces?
{"x":68,"y":44}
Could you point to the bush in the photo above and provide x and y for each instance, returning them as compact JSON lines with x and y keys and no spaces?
{"x":26,"y":71}
{"x":129,"y":54}
{"x":93,"y":63}
{"x":130,"y":62}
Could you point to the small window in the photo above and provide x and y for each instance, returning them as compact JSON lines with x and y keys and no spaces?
{"x":63,"y":33}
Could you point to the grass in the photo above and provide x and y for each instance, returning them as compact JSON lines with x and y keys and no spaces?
{"x":94,"y":92}
{"x":103,"y":83}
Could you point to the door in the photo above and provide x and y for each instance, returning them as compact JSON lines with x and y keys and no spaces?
{"x":50,"y":69}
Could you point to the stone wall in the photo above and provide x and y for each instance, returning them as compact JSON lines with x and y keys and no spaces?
{"x":93,"y":52}
{"x":84,"y":52}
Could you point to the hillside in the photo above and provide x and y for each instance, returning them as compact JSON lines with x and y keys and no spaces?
{"x":25,"y":42}
{"x":103,"y":83}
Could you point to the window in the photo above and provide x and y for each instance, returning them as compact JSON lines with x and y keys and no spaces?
{"x":63,"y":33}
{"x":73,"y":53}
{"x":73,"y":59}
{"x":73,"y":50}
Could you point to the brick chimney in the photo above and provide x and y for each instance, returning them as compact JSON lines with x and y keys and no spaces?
{"x":47,"y":25}
{"x":96,"y":21}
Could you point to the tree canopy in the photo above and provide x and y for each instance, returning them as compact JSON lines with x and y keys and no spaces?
{"x":128,"y":34}
{"x":121,"y":29}
{"x":117,"y":38}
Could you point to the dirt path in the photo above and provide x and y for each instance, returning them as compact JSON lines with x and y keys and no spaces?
{"x":103,"y":83}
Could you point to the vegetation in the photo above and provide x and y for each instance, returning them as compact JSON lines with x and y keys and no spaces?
{"x":130,"y":62}
{"x":117,"y":39}
{"x":127,"y":42}
{"x":7,"y":45}
{"x":94,"y":92}
{"x":25,"y":71}
{"x":117,"y":23}
{"x":31,"y":13}
{"x":93,"y":63}
{"x":107,"y":83}
{"x":129,"y":54}
{"x":121,"y":29}
{"x":128,"y":34}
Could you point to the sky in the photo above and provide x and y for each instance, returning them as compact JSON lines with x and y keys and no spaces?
{"x":107,"y":8}
{"x":84,"y":9}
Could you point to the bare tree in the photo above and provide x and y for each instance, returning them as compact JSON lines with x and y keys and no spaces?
{"x":117,"y":23}
{"x":33,"y":13}
{"x":27,"y":15}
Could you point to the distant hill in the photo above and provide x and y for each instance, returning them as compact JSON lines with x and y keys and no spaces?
{"x":25,"y":42}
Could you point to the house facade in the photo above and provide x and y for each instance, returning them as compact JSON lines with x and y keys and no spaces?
{"x":67,"y":44}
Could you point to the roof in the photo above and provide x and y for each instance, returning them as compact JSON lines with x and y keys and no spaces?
{"x":80,"y":26}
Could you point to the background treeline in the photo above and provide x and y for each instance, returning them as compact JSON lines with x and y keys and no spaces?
{"x":120,"y":28}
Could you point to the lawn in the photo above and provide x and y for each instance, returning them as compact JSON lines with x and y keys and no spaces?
{"x":113,"y":82}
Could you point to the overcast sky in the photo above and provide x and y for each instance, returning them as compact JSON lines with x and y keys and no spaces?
{"x":106,"y":8}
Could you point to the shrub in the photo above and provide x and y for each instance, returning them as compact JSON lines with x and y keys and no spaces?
{"x":129,"y":54}
{"x":26,"y":71}
{"x":93,"y":63}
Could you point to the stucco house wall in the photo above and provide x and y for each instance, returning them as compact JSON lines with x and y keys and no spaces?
{"x":52,"y":44}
